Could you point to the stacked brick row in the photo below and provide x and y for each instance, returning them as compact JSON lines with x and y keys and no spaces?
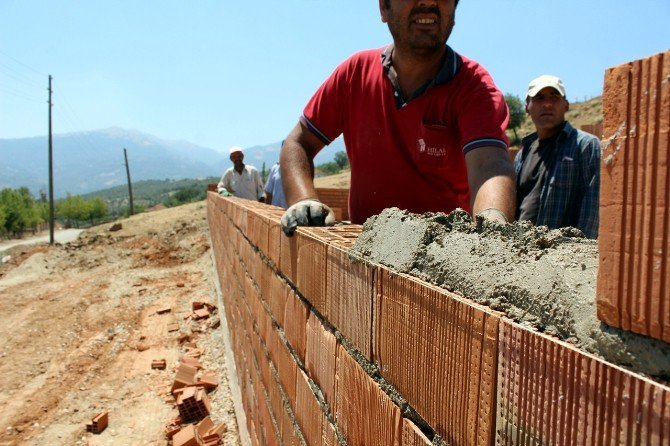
{"x":337,"y":199}
{"x":634,"y":236}
{"x":334,"y":351}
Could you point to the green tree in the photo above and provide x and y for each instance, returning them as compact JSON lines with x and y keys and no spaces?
{"x":341,"y":160}
{"x":73,"y":209}
{"x":97,"y":209}
{"x":19,"y":210}
{"x":264,"y":173}
{"x":517,"y":114}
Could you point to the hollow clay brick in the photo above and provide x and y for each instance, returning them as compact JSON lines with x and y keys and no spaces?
{"x":278,"y":295}
{"x":549,"y":392}
{"x":412,"y":435}
{"x":289,"y":255}
{"x":351,"y":286}
{"x":321,"y":357}
{"x":287,"y":369}
{"x":307,"y":411}
{"x":363,"y":412}
{"x":295,"y":323}
{"x":185,"y":437}
{"x":444,"y":361}
{"x":274,"y":241}
{"x":633,"y":290}
{"x":311,"y":267}
{"x":328,"y":436}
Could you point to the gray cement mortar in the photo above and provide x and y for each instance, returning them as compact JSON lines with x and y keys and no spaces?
{"x":541,"y":278}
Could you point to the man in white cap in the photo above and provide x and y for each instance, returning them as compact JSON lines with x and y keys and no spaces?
{"x":558,"y":168}
{"x":241,"y":180}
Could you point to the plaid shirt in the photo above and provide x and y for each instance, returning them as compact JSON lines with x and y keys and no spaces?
{"x":570,"y":194}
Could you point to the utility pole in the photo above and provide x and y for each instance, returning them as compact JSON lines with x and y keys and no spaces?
{"x":51,"y":174}
{"x":130,"y":186}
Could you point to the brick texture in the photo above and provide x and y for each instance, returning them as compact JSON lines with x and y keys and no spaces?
{"x":412,"y":435}
{"x":441,"y":354}
{"x":337,"y":200}
{"x":321,"y":357}
{"x":308,"y":412}
{"x":349,"y":298}
{"x":634,"y":276}
{"x":364,"y":413}
{"x":551,"y":393}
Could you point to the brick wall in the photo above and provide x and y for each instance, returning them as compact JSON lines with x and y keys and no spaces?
{"x":330,"y":351}
{"x":337,"y":199}
{"x":634,"y":275}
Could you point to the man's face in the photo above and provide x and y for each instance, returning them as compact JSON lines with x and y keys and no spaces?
{"x":421,"y":26}
{"x":547,"y":109}
{"x":237,"y":158}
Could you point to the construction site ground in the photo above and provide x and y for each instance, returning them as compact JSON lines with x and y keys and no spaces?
{"x":80,"y":328}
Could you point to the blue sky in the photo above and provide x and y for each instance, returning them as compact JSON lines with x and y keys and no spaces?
{"x":223,"y":73}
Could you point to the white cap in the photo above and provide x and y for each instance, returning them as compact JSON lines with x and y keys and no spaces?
{"x":544,"y":81}
{"x":235,"y":149}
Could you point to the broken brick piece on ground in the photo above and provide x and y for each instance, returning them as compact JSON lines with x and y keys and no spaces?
{"x":202,"y":313}
{"x":172,"y":326}
{"x":197,"y":305}
{"x":185,"y":376}
{"x":209,"y":380}
{"x":193,"y":362}
{"x":163,"y":310}
{"x":160,"y":364}
{"x":193,"y":404}
{"x":187,"y":436}
{"x":98,"y":423}
{"x":172,"y":427}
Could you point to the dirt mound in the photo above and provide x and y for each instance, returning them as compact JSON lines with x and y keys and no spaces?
{"x":538,"y":277}
{"x":80,"y":330}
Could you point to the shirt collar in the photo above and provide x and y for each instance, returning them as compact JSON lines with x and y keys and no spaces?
{"x":450,"y":65}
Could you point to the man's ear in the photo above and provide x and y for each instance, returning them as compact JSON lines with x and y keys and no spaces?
{"x":382,"y":11}
{"x":527,"y":112}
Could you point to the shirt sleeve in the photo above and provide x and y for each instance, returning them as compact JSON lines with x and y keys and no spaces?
{"x":324,"y":113}
{"x":270,"y":184}
{"x":483,"y":114}
{"x":590,"y":170}
{"x":223,"y":183}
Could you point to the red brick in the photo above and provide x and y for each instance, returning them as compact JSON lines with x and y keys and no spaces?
{"x":321,"y":357}
{"x":444,"y":361}
{"x":295,"y":323}
{"x":274,"y":241}
{"x":336,"y":199}
{"x":634,"y":233}
{"x":549,"y":392}
{"x":329,"y":436}
{"x":185,"y":437}
{"x":289,"y":256}
{"x":98,"y":423}
{"x":412,"y":435}
{"x":363,"y":412}
{"x":308,"y":412}
{"x":278,"y":295}
{"x":287,"y":369}
{"x":349,"y":298}
{"x":311,"y":267}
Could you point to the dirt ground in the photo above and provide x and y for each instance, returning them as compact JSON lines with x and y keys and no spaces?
{"x":80,"y":328}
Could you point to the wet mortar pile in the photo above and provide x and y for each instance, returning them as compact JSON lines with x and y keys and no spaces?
{"x":537,"y":277}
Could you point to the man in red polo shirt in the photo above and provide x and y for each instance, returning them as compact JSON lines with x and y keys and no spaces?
{"x":424,"y":127}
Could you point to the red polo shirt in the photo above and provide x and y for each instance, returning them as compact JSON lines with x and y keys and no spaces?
{"x":408,"y":154}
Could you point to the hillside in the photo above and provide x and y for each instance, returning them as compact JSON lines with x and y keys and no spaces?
{"x":89,"y":161}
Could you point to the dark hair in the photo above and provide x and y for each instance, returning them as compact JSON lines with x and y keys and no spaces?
{"x":387,"y":4}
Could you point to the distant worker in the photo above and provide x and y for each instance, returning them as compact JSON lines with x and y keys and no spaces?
{"x":274,"y":190}
{"x":424,"y":127}
{"x":241,"y":180}
{"x":558,"y":167}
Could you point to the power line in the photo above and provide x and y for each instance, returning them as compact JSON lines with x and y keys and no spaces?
{"x":21,"y":78}
{"x":21,"y":95}
{"x":23,"y":64}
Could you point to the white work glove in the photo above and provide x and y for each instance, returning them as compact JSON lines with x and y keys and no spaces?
{"x":309,"y":212}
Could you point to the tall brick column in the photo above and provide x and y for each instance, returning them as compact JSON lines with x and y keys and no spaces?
{"x":634,"y":276}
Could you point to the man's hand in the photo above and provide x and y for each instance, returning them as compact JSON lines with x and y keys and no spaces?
{"x":309,"y":212}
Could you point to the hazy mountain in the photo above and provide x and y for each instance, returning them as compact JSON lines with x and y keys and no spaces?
{"x":90,"y":161}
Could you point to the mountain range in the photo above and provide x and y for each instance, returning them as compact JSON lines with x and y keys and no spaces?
{"x":90,"y":161}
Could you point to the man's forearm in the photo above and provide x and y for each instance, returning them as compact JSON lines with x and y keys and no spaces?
{"x":297,"y":168}
{"x":492,"y":182}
